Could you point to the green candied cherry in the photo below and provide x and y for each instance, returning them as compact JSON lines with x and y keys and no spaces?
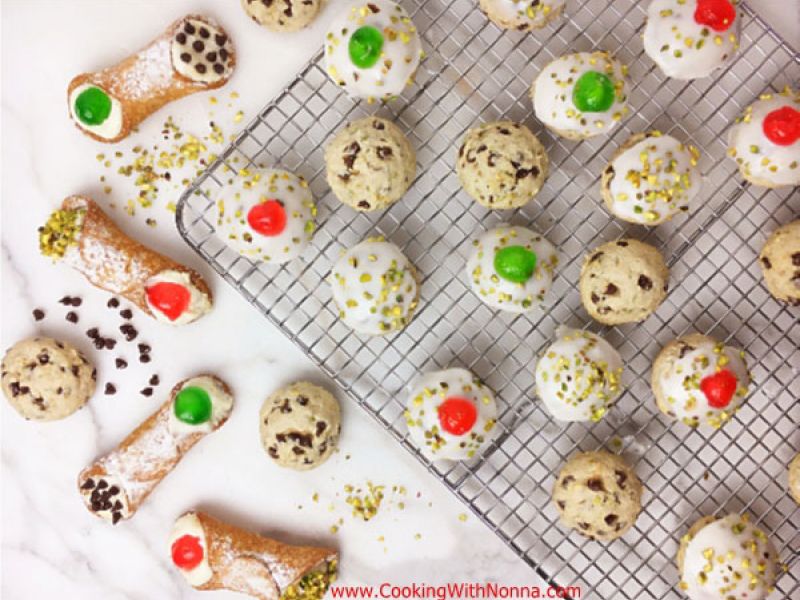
{"x":593,"y":92}
{"x":515,"y":263}
{"x":193,"y":405}
{"x":365,"y":46}
{"x":92,"y":106}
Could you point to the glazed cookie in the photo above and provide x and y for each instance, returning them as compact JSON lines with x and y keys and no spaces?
{"x":375,"y":287}
{"x":370,"y":164}
{"x":598,"y":495}
{"x":582,"y":95}
{"x":502,"y":164}
{"x":511,"y":268}
{"x":727,"y":559}
{"x":373,"y":49}
{"x":522,"y":15}
{"x":689,"y":39}
{"x":45,"y":379}
{"x":450,"y":414}
{"x":623,"y":282}
{"x":765,"y":141}
{"x":282,"y":15}
{"x":579,"y":376}
{"x":794,"y":478}
{"x":780,"y":263}
{"x":300,"y":426}
{"x":267,"y":215}
{"x":651,"y":178}
{"x":698,"y":380}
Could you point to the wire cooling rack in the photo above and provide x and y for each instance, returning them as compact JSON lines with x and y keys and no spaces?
{"x":475,"y":73}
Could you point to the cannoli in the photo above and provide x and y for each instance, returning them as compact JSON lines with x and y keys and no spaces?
{"x":86,"y":238}
{"x":114,"y":486}
{"x":212,"y":555}
{"x":194,"y":54}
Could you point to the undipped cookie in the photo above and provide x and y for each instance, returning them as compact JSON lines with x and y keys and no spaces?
{"x":780,"y":263}
{"x":282,"y":15}
{"x":522,"y":15}
{"x":45,"y":379}
{"x":794,"y":478}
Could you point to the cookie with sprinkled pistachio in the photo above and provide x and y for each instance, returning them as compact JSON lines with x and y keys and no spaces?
{"x":282,"y":15}
{"x":370,"y":164}
{"x":700,"y":381}
{"x":502,"y":164}
{"x":451,"y":414}
{"x":765,"y":141}
{"x":267,"y":215}
{"x":651,"y":178}
{"x":689,"y":39}
{"x":522,"y":15}
{"x":300,"y":425}
{"x":581,"y":95}
{"x":727,"y":558}
{"x":375,"y":287}
{"x":579,"y":376}
{"x":598,"y":495}
{"x":794,"y":478}
{"x":373,"y":49}
{"x":46,"y":379}
{"x":623,"y":281}
{"x":511,"y":268}
{"x":780,"y":263}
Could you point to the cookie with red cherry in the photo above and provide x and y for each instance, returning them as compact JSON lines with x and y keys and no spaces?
{"x":267,"y":215}
{"x":765,"y":141}
{"x":690,"y":39}
{"x":700,"y":381}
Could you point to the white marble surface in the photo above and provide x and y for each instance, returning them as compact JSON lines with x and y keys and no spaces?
{"x":51,"y":546}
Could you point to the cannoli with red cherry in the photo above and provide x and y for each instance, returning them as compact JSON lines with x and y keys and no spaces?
{"x":194,"y":54}
{"x":84,"y":237}
{"x":213,"y":555}
{"x":115,"y":485}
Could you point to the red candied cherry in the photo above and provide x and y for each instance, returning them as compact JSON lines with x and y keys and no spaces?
{"x":782,"y":126}
{"x":719,"y":388}
{"x":717,"y":14}
{"x":187,"y":552}
{"x":457,"y":415}
{"x":268,"y":218}
{"x":172,"y":299}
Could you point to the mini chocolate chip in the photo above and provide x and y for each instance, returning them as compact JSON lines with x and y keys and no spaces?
{"x":147,"y":392}
{"x":766,"y":262}
{"x":110,"y":389}
{"x":204,"y":33}
{"x":796,"y":259}
{"x":503,"y":131}
{"x":43,"y":358}
{"x":154,"y":380}
{"x":596,"y":485}
{"x":99,"y":343}
{"x":88,"y":484}
{"x":110,"y":343}
{"x":561,"y":504}
{"x":378,"y":125}
{"x":584,"y":526}
{"x":223,"y":54}
{"x":115,"y":517}
{"x":363,"y":204}
{"x":144,"y":349}
{"x":611,"y":519}
{"x":75,"y":370}
{"x":685,"y":349}
{"x":595,"y":257}
{"x":211,"y":57}
{"x":611,"y":289}
{"x":218,"y":69}
{"x":72,"y":317}
{"x":302,"y":400}
{"x":102,"y":484}
{"x":93,"y":332}
{"x":113,"y":303}
{"x":200,"y":68}
{"x":113,"y":490}
{"x":383,"y":152}
{"x":15,"y":388}
{"x":321,"y":426}
{"x":567,"y":480}
{"x":117,"y":505}
{"x":622,"y":477}
{"x":645,"y":282}
{"x":144,"y":358}
{"x":66,"y":300}
{"x":189,"y":28}
{"x":121,"y":363}
{"x":126,"y":313}
{"x":38,"y":314}
{"x":297,"y":450}
{"x":622,"y":243}
{"x":186,"y":57}
{"x":181,"y":38}
{"x":273,"y":451}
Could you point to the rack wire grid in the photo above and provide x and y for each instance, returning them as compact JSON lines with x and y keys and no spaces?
{"x":474,"y":72}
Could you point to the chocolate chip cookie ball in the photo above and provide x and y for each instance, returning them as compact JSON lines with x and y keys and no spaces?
{"x":300,"y":426}
{"x":282,"y":15}
{"x":46,"y":379}
{"x":780,"y":263}
{"x":598,"y":495}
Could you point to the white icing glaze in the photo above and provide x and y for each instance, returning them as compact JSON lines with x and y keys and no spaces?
{"x":375,"y":287}
{"x":753,"y":151}
{"x":425,"y":395}
{"x":221,"y":406}
{"x":253,"y":187}
{"x":729,"y":559}
{"x":400,"y":55}
{"x":682,"y":47}
{"x":680,"y":385}
{"x":654,"y":180}
{"x":199,"y":302}
{"x":108,"y":129}
{"x":189,"y":524}
{"x":118,"y":499}
{"x":501,"y":293}
{"x":552,"y":94}
{"x":523,"y":14}
{"x":201,"y":52}
{"x":579,"y":376}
